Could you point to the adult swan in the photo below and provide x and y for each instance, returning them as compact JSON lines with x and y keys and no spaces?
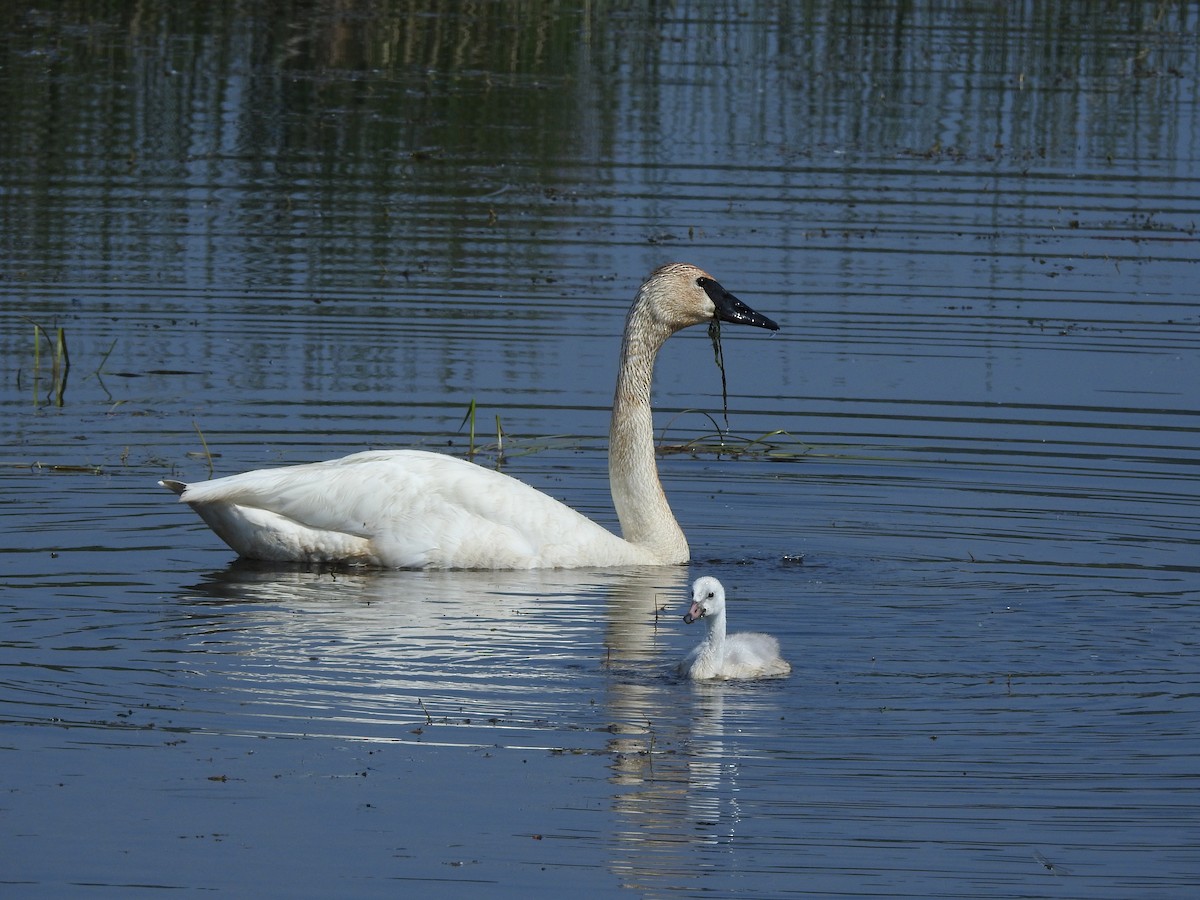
{"x":416,"y":509}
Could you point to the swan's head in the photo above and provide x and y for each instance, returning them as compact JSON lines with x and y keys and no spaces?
{"x":680,"y":295}
{"x":708,"y":599}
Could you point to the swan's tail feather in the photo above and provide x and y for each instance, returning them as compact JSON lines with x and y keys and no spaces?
{"x":172,"y":485}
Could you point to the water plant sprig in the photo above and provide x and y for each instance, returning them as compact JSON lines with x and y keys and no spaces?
{"x":203,"y":443}
{"x":498,"y":447}
{"x":60,"y":364}
{"x":469,"y":417}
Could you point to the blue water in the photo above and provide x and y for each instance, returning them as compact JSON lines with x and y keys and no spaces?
{"x":281,"y":236}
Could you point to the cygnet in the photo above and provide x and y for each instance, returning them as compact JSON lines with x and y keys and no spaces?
{"x":745,"y":655}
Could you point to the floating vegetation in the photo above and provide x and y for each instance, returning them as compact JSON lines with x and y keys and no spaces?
{"x":508,"y":447}
{"x":66,"y":469}
{"x":778,"y":445}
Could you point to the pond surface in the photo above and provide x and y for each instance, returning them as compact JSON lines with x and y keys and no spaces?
{"x":972,"y":519}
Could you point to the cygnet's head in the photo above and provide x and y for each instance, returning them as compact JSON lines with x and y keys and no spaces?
{"x":708,"y":599}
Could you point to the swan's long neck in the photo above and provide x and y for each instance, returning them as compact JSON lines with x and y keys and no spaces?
{"x":645,"y":515}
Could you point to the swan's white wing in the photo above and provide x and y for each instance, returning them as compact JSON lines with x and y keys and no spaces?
{"x":401,"y":508}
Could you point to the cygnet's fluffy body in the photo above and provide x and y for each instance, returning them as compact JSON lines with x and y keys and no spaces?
{"x":719,"y":656}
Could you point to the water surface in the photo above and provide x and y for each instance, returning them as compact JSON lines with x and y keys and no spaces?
{"x":279,"y":237}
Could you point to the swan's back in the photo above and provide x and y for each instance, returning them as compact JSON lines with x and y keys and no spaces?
{"x":401,"y":509}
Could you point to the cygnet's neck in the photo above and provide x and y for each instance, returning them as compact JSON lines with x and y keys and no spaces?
{"x":642,"y":508}
{"x":716,"y":630}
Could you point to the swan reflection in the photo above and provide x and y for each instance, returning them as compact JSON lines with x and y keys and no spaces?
{"x":377,"y":654}
{"x":676,"y":756}
{"x":554,"y":660}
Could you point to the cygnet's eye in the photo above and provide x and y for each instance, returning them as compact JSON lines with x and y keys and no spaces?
{"x":710,"y":595}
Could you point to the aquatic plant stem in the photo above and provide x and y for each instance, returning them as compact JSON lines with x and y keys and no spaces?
{"x":204,"y":444}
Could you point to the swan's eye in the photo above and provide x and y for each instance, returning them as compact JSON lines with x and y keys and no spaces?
{"x":710,"y":595}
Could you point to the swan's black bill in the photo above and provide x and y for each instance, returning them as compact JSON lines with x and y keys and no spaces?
{"x":731,"y":309}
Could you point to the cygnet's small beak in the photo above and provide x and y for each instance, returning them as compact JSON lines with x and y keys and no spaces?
{"x":731,"y":309}
{"x":696,"y":612}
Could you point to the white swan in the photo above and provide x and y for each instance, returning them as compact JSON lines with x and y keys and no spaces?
{"x":416,"y":509}
{"x":748,"y":654}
